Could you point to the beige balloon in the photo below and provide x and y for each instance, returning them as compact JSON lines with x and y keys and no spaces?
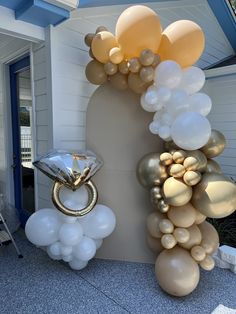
{"x":179,"y":156}
{"x":213,"y":166}
{"x":191,"y":163}
{"x":182,"y":216}
{"x":176,"y":170}
{"x":201,"y":159}
{"x":215,"y":196}
{"x":166,"y":226}
{"x":150,"y":172}
{"x":166,"y":159}
{"x":176,"y":192}
{"x":110,"y":68}
{"x":192,"y":177}
{"x":154,"y":244}
{"x":134,"y":65}
{"x":210,"y":238}
{"x":101,"y":29}
{"x":102,"y":43}
{"x":208,"y":263}
{"x":168,"y":241}
{"x":88,"y":39}
{"x":199,"y":217}
{"x":195,"y":237}
{"x":116,"y":55}
{"x":123,"y":67}
{"x":136,"y":84}
{"x":181,"y":235}
{"x":95,"y":73}
{"x":119,"y":81}
{"x":147,"y":57}
{"x":176,"y":271}
{"x":163,"y":207}
{"x":215,"y":145}
{"x":146,"y":74}
{"x":198,"y":253}
{"x":152,"y":224}
{"x":91,"y":54}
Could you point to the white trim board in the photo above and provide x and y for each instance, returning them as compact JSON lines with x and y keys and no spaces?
{"x":222,"y":71}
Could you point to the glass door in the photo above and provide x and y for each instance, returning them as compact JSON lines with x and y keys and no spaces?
{"x":21,"y":108}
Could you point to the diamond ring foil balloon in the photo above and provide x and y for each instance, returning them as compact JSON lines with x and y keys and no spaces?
{"x":70,"y":169}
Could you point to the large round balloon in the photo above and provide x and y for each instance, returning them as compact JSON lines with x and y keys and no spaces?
{"x":190,"y":130}
{"x":182,"y":41}
{"x":43,"y":226}
{"x":176,"y":192}
{"x":210,"y":238}
{"x":176,"y":271}
{"x":215,"y":144}
{"x":138,"y":28}
{"x":95,"y":73}
{"x":182,"y":216}
{"x":102,"y":43}
{"x":215,"y":195}
{"x":195,"y":237}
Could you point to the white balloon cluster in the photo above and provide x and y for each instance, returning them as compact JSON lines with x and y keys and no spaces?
{"x":180,"y":109}
{"x":71,"y":239}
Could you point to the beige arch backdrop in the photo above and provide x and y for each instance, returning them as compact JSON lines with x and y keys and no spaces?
{"x":117,"y":130}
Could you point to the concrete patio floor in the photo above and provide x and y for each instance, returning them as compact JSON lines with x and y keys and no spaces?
{"x":36,"y":284}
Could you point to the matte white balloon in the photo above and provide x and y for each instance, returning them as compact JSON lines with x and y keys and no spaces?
{"x":147,"y":101}
{"x":168,"y":73}
{"x":42,"y":227}
{"x":200,"y":103}
{"x":164,"y":94}
{"x":55,"y":248}
{"x":99,"y":223}
{"x":166,"y":119}
{"x":177,"y":103}
{"x":154,"y":127}
{"x":164,"y":132}
{"x":190,"y":130}
{"x":192,"y":80}
{"x":77,"y":199}
{"x":77,"y":264}
{"x":67,"y":258}
{"x":98,"y":243}
{"x":66,"y":249}
{"x":70,"y":234}
{"x":85,"y":249}
{"x":54,"y":257}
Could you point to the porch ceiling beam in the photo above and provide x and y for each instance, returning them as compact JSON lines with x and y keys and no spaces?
{"x":99,"y":3}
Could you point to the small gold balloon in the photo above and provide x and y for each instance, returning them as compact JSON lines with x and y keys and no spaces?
{"x":181,"y":235}
{"x":215,"y":145}
{"x":163,"y":207}
{"x":191,"y":163}
{"x":152,"y":223}
{"x":123,"y":67}
{"x":95,"y":73}
{"x":110,"y":68}
{"x":146,"y":74}
{"x":176,"y":192}
{"x":177,"y":272}
{"x":166,"y":226}
{"x":116,"y":55}
{"x":179,"y":156}
{"x":154,"y":244}
{"x":168,"y":241}
{"x":201,"y":158}
{"x":213,"y":166}
{"x":155,"y":195}
{"x":136,"y":84}
{"x":166,"y":159}
{"x":101,"y":29}
{"x":192,"y":177}
{"x":210,"y":237}
{"x":156,"y":61}
{"x":199,"y":217}
{"x":198,"y":253}
{"x":88,"y":39}
{"x":119,"y":81}
{"x":150,"y":172}
{"x":208,"y":263}
{"x":215,"y":196}
{"x":182,"y":216}
{"x":176,"y":170}
{"x":147,"y":57}
{"x":134,"y":65}
{"x":194,"y":239}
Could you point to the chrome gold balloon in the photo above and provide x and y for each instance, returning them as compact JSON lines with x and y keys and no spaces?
{"x":182,"y":216}
{"x":162,"y":206}
{"x":195,"y":237}
{"x":155,"y":195}
{"x":166,"y":159}
{"x":213,"y":166}
{"x":215,"y":145}
{"x":176,"y":192}
{"x":192,"y":177}
{"x":176,"y":170}
{"x":168,"y":241}
{"x":210,"y":238}
{"x":179,"y":156}
{"x":201,"y":159}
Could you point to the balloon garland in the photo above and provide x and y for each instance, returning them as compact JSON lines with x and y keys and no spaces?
{"x":186,"y":185}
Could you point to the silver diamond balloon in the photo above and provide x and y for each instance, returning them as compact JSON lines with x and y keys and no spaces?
{"x":70,"y":168}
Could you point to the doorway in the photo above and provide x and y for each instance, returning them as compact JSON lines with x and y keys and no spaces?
{"x":22,"y":125}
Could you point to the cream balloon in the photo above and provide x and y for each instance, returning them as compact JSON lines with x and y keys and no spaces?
{"x":199,"y":217}
{"x":102,"y":43}
{"x":181,"y":235}
{"x":176,"y":193}
{"x":168,"y":241}
{"x":152,"y":223}
{"x":182,"y":216}
{"x":208,"y":263}
{"x":210,"y":238}
{"x":195,"y":237}
{"x":154,"y":244}
{"x":198,"y":253}
{"x":166,"y":226}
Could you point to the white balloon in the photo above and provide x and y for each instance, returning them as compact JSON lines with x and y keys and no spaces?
{"x":66,"y":250}
{"x":77,"y":264}
{"x":99,"y":223}
{"x":42,"y":227}
{"x":85,"y":249}
{"x":177,"y":103}
{"x":192,"y":80}
{"x":157,"y":116}
{"x":98,"y":243}
{"x":54,"y":257}
{"x":164,"y":94}
{"x":55,"y":248}
{"x":190,"y":130}
{"x":166,"y":119}
{"x":168,"y":73}
{"x":164,"y":132}
{"x":67,"y":258}
{"x":77,"y":199}
{"x":200,"y":103}
{"x":148,"y":106}
{"x":154,"y":127}
{"x":70,"y":234}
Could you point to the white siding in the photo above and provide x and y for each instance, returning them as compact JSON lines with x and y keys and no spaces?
{"x":222,"y":90}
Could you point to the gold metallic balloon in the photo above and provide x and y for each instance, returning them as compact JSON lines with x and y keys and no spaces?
{"x":192,"y":177}
{"x":181,"y":235}
{"x":208,"y":263}
{"x":150,"y":172}
{"x":177,"y":272}
{"x":155,"y":195}
{"x":147,"y":74}
{"x":147,"y":57}
{"x":166,"y":159}
{"x":166,"y":226}
{"x":176,"y":192}
{"x":119,"y":81}
{"x":198,"y":253}
{"x":110,"y":68}
{"x":134,"y":65}
{"x":195,"y":237}
{"x":215,"y":145}
{"x":179,"y":156}
{"x":191,"y":163}
{"x":182,"y":216}
{"x":152,"y":223}
{"x":168,"y":241}
{"x":210,"y":237}
{"x":201,"y":160}
{"x":213,"y":166}
{"x":123,"y":67}
{"x":163,"y":207}
{"x":154,"y":244}
{"x":215,"y":196}
{"x":176,"y":170}
{"x":199,"y":217}
{"x":88,"y":39}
